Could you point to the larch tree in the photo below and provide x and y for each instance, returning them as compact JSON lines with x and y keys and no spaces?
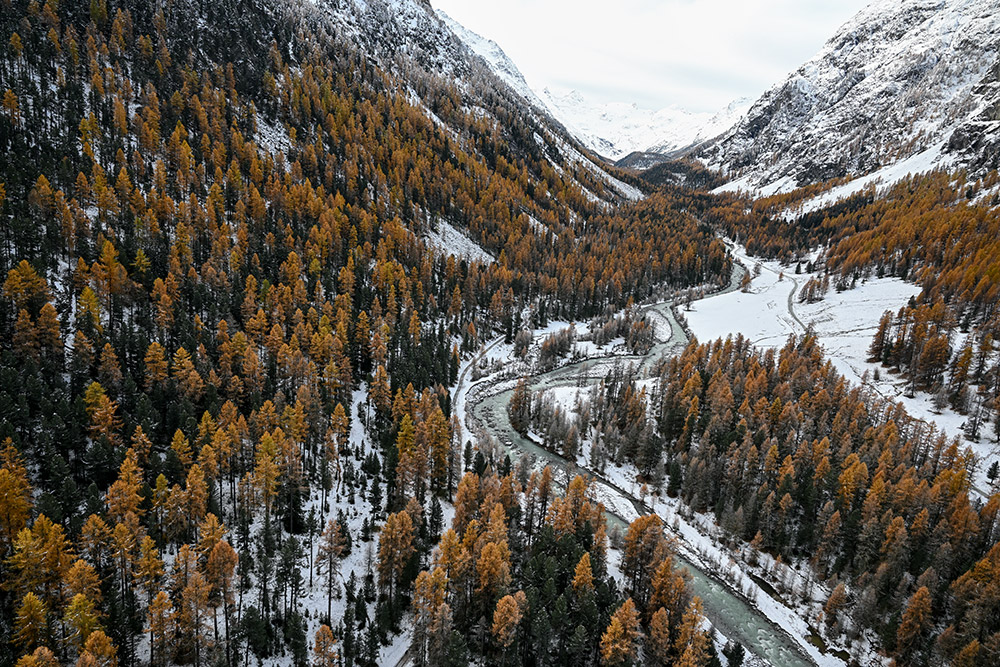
{"x":692,"y":642}
{"x":583,"y":576}
{"x":325,"y":648}
{"x":407,"y":466}
{"x":266,"y":473}
{"x":123,"y":496}
{"x":429,"y":592}
{"x":659,"y":643}
{"x":834,"y":604}
{"x":220,"y":568}
{"x":81,"y":619}
{"x":15,"y":496}
{"x":40,"y":657}
{"x":99,"y":650}
{"x":83,"y":578}
{"x":493,"y":570}
{"x":619,"y":643}
{"x":331,"y":548}
{"x":913,"y":625}
{"x":160,"y":619}
{"x":395,"y":548}
{"x":31,"y":623}
{"x":645,"y":549}
{"x":506,"y":618}
{"x":439,"y":444}
{"x":194,"y":611}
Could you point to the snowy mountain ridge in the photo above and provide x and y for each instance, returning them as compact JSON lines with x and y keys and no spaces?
{"x":495,"y":57}
{"x":901,"y":79}
{"x":612,"y":130}
{"x":617,"y":129}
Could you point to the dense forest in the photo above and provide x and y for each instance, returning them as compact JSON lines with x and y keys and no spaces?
{"x":225,"y":342}
{"x":228,"y":341}
{"x":794,"y":461}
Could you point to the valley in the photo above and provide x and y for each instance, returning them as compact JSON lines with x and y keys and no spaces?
{"x":327,"y":341}
{"x":738,"y":603}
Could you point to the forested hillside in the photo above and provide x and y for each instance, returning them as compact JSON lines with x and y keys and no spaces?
{"x":794,"y":461}
{"x":938,"y":230}
{"x":225,"y":342}
{"x":250,"y":248}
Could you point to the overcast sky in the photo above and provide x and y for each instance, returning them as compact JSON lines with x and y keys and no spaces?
{"x":697,"y":54}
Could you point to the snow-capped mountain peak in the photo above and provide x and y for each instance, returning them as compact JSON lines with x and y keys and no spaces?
{"x":612,"y":130}
{"x":899,"y":79}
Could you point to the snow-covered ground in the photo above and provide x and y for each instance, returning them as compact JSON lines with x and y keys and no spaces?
{"x":844,"y":322}
{"x":272,"y":138}
{"x":452,"y":241}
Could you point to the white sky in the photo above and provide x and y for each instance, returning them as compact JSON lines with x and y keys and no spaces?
{"x":696,"y":54}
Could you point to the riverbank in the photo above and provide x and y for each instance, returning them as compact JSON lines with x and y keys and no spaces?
{"x":740,"y":603}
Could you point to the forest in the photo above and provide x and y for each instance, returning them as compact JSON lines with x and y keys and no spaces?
{"x":938,"y":230}
{"x":228,"y":346}
{"x":793,"y":461}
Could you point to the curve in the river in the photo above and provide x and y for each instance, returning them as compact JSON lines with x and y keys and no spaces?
{"x":727,"y":610}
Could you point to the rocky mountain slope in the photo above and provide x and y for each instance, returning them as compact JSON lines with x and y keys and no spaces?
{"x":901,"y":79}
{"x":411,"y":40}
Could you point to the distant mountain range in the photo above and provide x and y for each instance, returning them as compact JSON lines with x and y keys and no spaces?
{"x":903,"y":86}
{"x":616,"y":130}
{"x":612,"y":130}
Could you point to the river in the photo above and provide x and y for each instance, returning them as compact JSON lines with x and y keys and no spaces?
{"x":728,"y":611}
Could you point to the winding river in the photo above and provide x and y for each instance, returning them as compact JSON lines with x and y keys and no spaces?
{"x":727,"y":610}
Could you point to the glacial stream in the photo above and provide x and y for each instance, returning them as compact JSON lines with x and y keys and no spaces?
{"x":726,"y":610}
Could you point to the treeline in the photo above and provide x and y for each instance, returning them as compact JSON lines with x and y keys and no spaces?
{"x":790,"y":458}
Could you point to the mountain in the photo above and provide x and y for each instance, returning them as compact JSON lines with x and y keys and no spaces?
{"x":415,"y":42}
{"x":612,"y":130}
{"x":705,"y":128}
{"x":617,"y":129}
{"x":913,"y":83}
{"x":498,"y":61}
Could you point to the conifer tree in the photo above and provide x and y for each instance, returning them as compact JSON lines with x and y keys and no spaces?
{"x":619,"y":641}
{"x":325,"y":648}
{"x":395,"y":549}
{"x":31,"y":623}
{"x":160,"y":620}
{"x":506,"y":618}
{"x":914,"y":623}
{"x":331,"y":548}
{"x":15,"y":496}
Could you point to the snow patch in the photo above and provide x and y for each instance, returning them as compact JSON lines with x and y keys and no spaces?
{"x":452,"y":241}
